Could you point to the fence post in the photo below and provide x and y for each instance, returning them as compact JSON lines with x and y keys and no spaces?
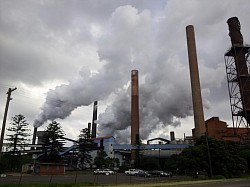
{"x":75,"y":178}
{"x":50,"y":179}
{"x":20,"y":179}
{"x":116,"y":178}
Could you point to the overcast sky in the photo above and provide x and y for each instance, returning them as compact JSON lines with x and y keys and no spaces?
{"x":63,"y":55}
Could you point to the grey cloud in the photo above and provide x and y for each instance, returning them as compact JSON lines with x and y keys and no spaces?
{"x":52,"y":40}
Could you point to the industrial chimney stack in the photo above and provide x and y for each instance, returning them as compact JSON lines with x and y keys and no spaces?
{"x":34,"y":136}
{"x":199,"y":121}
{"x":93,"y":135}
{"x":134,"y":111}
{"x":240,"y":54}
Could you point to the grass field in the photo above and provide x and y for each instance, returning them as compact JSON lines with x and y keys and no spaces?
{"x":159,"y":184}
{"x":165,"y":183}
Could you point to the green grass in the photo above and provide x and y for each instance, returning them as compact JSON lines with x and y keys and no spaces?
{"x":163,"y":184}
{"x":178,"y":183}
{"x":51,"y":185}
{"x":183,"y":181}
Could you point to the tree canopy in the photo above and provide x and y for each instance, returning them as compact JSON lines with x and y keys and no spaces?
{"x":18,"y":134}
{"x":226,"y":158}
{"x":53,"y":142}
{"x":84,"y":157}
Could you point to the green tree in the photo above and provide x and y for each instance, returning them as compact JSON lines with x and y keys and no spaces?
{"x":245,"y":153}
{"x":54,"y":144}
{"x":84,"y":157}
{"x":18,"y":137}
{"x":225,"y":157}
{"x":101,"y":159}
{"x":5,"y":163}
{"x":149,"y":164}
{"x":113,"y":162}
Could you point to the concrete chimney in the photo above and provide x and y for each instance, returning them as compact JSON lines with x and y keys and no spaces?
{"x":134,"y":108}
{"x":93,"y":135}
{"x":199,"y":121}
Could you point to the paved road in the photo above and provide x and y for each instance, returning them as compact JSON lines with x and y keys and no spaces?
{"x":113,"y":179}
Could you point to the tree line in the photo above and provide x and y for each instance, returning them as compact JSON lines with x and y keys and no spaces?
{"x":208,"y":155}
{"x":17,"y":145}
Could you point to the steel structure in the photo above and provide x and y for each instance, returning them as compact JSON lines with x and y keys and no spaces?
{"x":237,"y":69}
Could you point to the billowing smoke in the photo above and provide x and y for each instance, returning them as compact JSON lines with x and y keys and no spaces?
{"x":118,"y":58}
{"x":82,"y":91}
{"x":161,"y":104}
{"x":164,"y":89}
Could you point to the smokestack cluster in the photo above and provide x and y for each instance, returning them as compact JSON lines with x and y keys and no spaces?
{"x":199,"y":121}
{"x":158,"y":110}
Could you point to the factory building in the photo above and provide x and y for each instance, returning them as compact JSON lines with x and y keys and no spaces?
{"x":219,"y":129}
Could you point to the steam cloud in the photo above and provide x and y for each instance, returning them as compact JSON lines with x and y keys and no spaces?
{"x":164,"y":95}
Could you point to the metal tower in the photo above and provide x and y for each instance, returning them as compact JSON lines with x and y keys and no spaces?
{"x":237,"y":68}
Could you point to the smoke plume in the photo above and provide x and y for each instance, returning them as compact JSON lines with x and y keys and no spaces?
{"x":131,"y":43}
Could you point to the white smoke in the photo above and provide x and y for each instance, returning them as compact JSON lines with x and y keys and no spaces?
{"x":116,"y":55}
{"x":135,"y":41}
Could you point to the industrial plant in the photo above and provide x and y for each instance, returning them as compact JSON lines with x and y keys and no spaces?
{"x":238,"y":76}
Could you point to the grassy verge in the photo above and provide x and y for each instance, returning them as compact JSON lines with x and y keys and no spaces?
{"x":158,"y":184}
{"x":51,"y":185}
{"x":163,"y":184}
{"x":178,"y":183}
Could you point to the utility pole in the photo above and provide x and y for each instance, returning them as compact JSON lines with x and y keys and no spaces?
{"x":209,"y":156}
{"x":5,"y":117}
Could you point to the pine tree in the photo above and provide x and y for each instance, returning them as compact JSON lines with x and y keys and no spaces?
{"x":101,"y":159}
{"x":19,"y":132}
{"x":84,"y":157}
{"x":54,"y":143}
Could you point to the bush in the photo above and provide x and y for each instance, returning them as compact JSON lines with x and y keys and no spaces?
{"x":29,"y":171}
{"x":4,"y":164}
{"x":122,"y":169}
{"x":218,"y":177}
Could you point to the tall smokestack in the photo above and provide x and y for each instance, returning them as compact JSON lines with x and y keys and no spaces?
{"x":89,"y":129}
{"x":199,"y":121}
{"x":134,"y":111}
{"x":94,"y":120}
{"x":240,"y":54}
{"x":172,"y":136}
{"x":34,"y":136}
